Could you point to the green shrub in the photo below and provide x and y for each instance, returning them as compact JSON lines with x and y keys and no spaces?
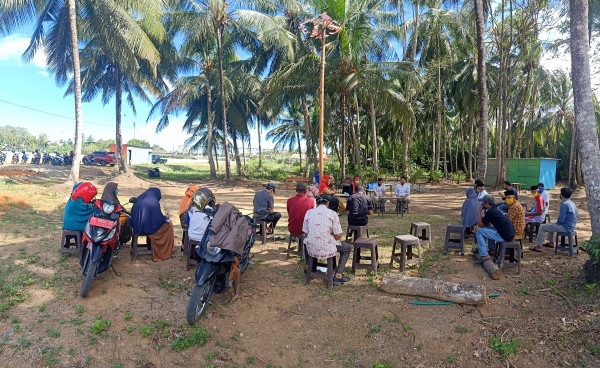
{"x":436,"y":175}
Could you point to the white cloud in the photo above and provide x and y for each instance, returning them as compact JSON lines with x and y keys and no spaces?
{"x":13,"y":47}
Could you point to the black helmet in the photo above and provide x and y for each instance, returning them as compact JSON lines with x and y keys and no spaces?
{"x":203,"y":197}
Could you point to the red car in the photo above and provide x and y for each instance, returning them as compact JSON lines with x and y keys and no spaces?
{"x":100,"y":157}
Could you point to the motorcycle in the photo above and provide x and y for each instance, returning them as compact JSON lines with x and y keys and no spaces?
{"x":214,"y":266}
{"x":15,"y":158}
{"x":36,"y":159}
{"x":67,"y":160}
{"x":2,"y":158}
{"x":101,"y":241}
{"x":46,"y":159}
{"x":57,"y":160}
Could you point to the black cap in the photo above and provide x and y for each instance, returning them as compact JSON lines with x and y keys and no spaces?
{"x":479,"y":183}
{"x":534,"y":187}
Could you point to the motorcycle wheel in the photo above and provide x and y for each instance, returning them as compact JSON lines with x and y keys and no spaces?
{"x":199,"y":299}
{"x":92,"y":267}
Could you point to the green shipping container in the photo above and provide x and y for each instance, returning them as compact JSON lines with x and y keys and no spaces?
{"x":528,"y":171}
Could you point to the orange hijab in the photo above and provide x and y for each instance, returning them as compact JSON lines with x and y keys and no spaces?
{"x":185,"y":201}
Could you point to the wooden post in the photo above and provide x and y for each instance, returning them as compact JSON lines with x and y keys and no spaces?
{"x":460,"y":293}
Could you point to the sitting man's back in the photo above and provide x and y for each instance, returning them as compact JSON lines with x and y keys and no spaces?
{"x":297,"y":207}
{"x":359,"y":208}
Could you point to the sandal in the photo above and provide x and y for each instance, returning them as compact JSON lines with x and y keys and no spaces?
{"x":481,"y":260}
{"x":534,"y":249}
{"x":547,"y":245}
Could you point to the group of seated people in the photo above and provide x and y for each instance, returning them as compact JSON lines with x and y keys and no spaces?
{"x":146,"y":217}
{"x":503,"y":222}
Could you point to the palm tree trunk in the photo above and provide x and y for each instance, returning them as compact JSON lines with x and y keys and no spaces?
{"x":585,"y":121}
{"x":223,"y":107}
{"x":123,"y":168}
{"x":374,"y":135}
{"x":415,"y":36}
{"x":236,"y":152}
{"x":462,"y":145}
{"x":306,"y":134}
{"x":471,"y":145}
{"x":74,"y":174}
{"x":483,"y":93}
{"x":299,"y":146}
{"x":439,"y":113}
{"x":357,"y":134}
{"x":216,"y":156}
{"x":210,"y":136}
{"x":259,"y":145}
{"x":243,"y":150}
{"x":343,"y":134}
{"x":573,"y":158}
{"x":322,"y":104}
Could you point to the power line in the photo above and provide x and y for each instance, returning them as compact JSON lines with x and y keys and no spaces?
{"x":50,"y":113}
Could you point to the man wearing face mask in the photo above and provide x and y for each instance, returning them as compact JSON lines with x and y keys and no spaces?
{"x":495,"y":225}
{"x":537,"y":212}
{"x":544,"y":195}
{"x":516,"y":214}
{"x":566,"y":222}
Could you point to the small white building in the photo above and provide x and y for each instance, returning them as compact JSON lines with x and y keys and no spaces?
{"x":139,"y":155}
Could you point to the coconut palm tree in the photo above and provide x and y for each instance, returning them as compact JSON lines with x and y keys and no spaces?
{"x":289,"y":132}
{"x":17,"y":13}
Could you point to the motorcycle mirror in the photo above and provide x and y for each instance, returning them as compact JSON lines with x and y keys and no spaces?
{"x":114,"y":216}
{"x":132,"y":199}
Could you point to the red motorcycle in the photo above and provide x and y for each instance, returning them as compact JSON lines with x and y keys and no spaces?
{"x":101,"y":239}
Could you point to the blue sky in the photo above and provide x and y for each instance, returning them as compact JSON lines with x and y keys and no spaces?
{"x":26,"y":87}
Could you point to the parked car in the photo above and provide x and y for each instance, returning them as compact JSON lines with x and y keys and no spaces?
{"x":100,"y":157}
{"x":156,"y":159}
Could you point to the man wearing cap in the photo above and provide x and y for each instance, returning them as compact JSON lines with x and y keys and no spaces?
{"x":566,"y":222}
{"x":537,"y":213}
{"x":323,"y":233}
{"x":263,"y":206}
{"x":495,"y":225}
{"x":480,"y":188}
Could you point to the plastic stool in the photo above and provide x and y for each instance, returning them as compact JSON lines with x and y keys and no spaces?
{"x":300,"y":250}
{"x":357,"y":231}
{"x":135,"y":247}
{"x":454,"y":243}
{"x":515,"y":247}
{"x":406,"y":255}
{"x":566,"y":247}
{"x":366,"y":243}
{"x":312,"y":273}
{"x":263,"y":231}
{"x":425,"y":230}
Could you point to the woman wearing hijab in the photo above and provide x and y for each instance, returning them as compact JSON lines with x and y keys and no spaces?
{"x":470,"y":207}
{"x":184,"y":205}
{"x":334,"y":203}
{"x":147,"y":219}
{"x":110,"y":194}
{"x":79,"y":210}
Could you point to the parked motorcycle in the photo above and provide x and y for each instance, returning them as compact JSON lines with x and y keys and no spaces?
{"x":214,"y":266}
{"x":2,"y":158}
{"x":67,"y":160}
{"x":46,"y":158}
{"x":36,"y":158}
{"x":15,"y":158}
{"x":101,"y":239}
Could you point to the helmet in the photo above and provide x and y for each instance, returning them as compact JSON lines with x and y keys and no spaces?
{"x":203,"y":197}
{"x":85,"y":191}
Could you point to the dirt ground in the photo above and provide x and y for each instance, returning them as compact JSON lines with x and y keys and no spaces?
{"x":545,"y":317}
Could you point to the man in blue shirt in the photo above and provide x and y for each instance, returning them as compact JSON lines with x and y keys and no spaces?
{"x":566,"y":222}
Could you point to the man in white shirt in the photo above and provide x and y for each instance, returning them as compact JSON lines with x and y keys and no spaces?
{"x":403,"y":191}
{"x":323,"y":233}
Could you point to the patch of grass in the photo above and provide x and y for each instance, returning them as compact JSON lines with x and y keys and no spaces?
{"x":197,"y":336}
{"x":373,"y":330}
{"x":405,"y":327}
{"x":128,"y":316}
{"x":395,"y":319}
{"x":209,"y":356}
{"x":223,"y":345}
{"x":420,"y":346}
{"x":461,"y":329}
{"x":71,"y":352}
{"x":593,"y":349}
{"x":50,"y":356}
{"x":79,"y":310}
{"x":130,"y":329}
{"x":52,"y":333}
{"x":503,"y":348}
{"x":164,"y":283}
{"x":250,"y":360}
{"x":523,"y":290}
{"x":378,"y":364}
{"x":100,"y":325}
{"x":42,"y":308}
{"x":146,"y":330}
{"x":77,"y":321}
{"x":450,"y":358}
